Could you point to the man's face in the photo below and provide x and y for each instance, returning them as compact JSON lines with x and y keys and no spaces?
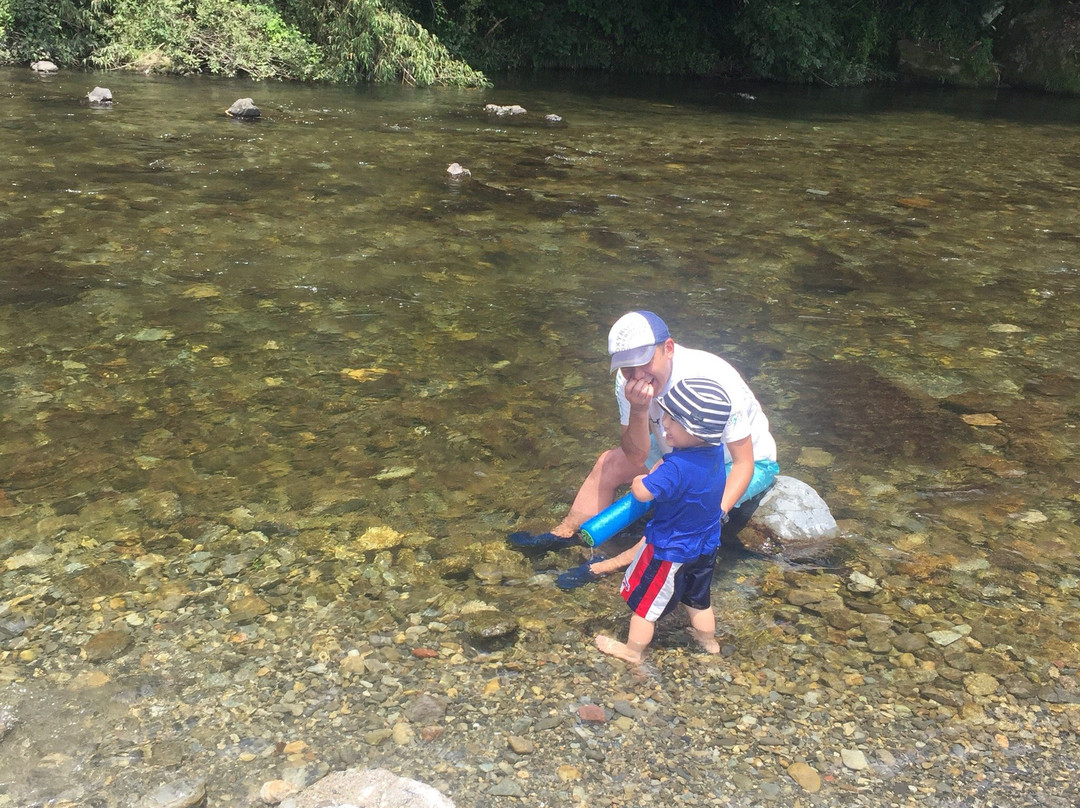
{"x":658,"y":369}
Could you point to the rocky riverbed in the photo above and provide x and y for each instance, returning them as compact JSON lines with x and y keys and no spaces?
{"x":246,"y":652}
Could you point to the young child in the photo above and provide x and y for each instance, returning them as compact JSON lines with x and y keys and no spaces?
{"x":675,"y":565}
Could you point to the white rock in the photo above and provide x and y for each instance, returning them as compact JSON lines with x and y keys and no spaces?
{"x":944,"y":638}
{"x":178,"y":794}
{"x":853,"y":759}
{"x":792,"y":509}
{"x":858,"y":582}
{"x":368,"y":788}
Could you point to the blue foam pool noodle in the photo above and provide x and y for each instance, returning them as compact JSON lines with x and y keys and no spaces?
{"x":615,"y":517}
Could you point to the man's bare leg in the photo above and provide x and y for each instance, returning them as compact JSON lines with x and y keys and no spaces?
{"x":611,"y":470}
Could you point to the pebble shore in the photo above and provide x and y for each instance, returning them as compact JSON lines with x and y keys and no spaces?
{"x":833,"y":687}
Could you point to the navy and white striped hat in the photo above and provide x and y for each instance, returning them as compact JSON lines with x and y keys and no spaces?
{"x":700,"y":405}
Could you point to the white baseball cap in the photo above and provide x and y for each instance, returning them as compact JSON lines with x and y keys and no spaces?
{"x":634,"y":337}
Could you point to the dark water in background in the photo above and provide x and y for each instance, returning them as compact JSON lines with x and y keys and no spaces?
{"x":306,"y":318}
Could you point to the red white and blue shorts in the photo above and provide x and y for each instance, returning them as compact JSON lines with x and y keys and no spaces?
{"x":653,"y":587}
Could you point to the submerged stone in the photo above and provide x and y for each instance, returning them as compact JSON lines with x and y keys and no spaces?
{"x":490,"y":627}
{"x":178,"y":794}
{"x":106,"y":645}
{"x":368,"y":788}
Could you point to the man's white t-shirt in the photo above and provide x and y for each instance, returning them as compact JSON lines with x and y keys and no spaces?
{"x":746,"y":418}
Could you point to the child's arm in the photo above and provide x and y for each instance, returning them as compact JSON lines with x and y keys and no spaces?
{"x":638,"y":489}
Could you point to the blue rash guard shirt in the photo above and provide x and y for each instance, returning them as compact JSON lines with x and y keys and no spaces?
{"x":687,"y":488}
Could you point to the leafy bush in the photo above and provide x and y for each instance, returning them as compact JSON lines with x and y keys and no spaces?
{"x":811,"y":40}
{"x":6,"y":17}
{"x":64,"y":31}
{"x":217,"y":36}
{"x":655,"y":36}
{"x":367,"y":40}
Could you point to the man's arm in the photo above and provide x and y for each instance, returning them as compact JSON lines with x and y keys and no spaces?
{"x":742,"y":470}
{"x":635,"y":443}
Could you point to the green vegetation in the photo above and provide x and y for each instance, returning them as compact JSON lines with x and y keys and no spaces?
{"x":368,"y":40}
{"x":655,"y":36}
{"x":214,"y":36}
{"x":432,"y":42}
{"x":331,"y":40}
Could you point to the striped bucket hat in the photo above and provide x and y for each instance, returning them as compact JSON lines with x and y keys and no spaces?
{"x":700,"y":405}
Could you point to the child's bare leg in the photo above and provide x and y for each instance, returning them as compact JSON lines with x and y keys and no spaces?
{"x":621,"y":561}
{"x":703,"y":629}
{"x":637,"y":640}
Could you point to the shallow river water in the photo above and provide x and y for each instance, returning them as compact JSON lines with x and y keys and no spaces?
{"x":272,"y":394}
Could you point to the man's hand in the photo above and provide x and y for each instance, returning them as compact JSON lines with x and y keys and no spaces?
{"x":639,"y":392}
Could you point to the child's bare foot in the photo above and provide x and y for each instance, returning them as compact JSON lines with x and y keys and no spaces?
{"x":708,"y":642}
{"x":619,"y":650}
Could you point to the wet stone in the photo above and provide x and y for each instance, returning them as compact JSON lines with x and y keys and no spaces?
{"x":178,"y":794}
{"x":842,"y":619}
{"x":879,"y":642}
{"x":108,"y":579}
{"x":945,"y":637}
{"x":368,"y":788}
{"x":507,"y":787}
{"x":490,"y":627}
{"x":106,"y":645}
{"x":521,"y":746}
{"x":247,"y":609}
{"x":853,"y":759}
{"x":806,"y":776}
{"x":805,"y":597}
{"x":625,"y":708}
{"x":592,"y":713}
{"x":425,"y":709}
{"x":909,"y":643}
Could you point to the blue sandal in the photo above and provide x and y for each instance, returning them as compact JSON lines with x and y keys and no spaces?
{"x":579,"y":576}
{"x":540,"y":541}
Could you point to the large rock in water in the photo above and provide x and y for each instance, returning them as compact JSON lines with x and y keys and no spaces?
{"x":243,"y":109}
{"x":790,"y":521}
{"x":368,"y":788}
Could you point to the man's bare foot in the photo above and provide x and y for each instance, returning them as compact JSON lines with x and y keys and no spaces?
{"x":619,"y":650}
{"x":568,"y":527}
{"x":707,"y":641}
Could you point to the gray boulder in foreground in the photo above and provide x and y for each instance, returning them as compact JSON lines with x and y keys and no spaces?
{"x":367,"y":788}
{"x":790,"y":521}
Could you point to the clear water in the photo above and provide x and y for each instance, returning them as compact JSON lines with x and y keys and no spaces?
{"x":304,"y":317}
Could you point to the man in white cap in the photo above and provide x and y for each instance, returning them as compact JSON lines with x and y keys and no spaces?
{"x":649,"y":362}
